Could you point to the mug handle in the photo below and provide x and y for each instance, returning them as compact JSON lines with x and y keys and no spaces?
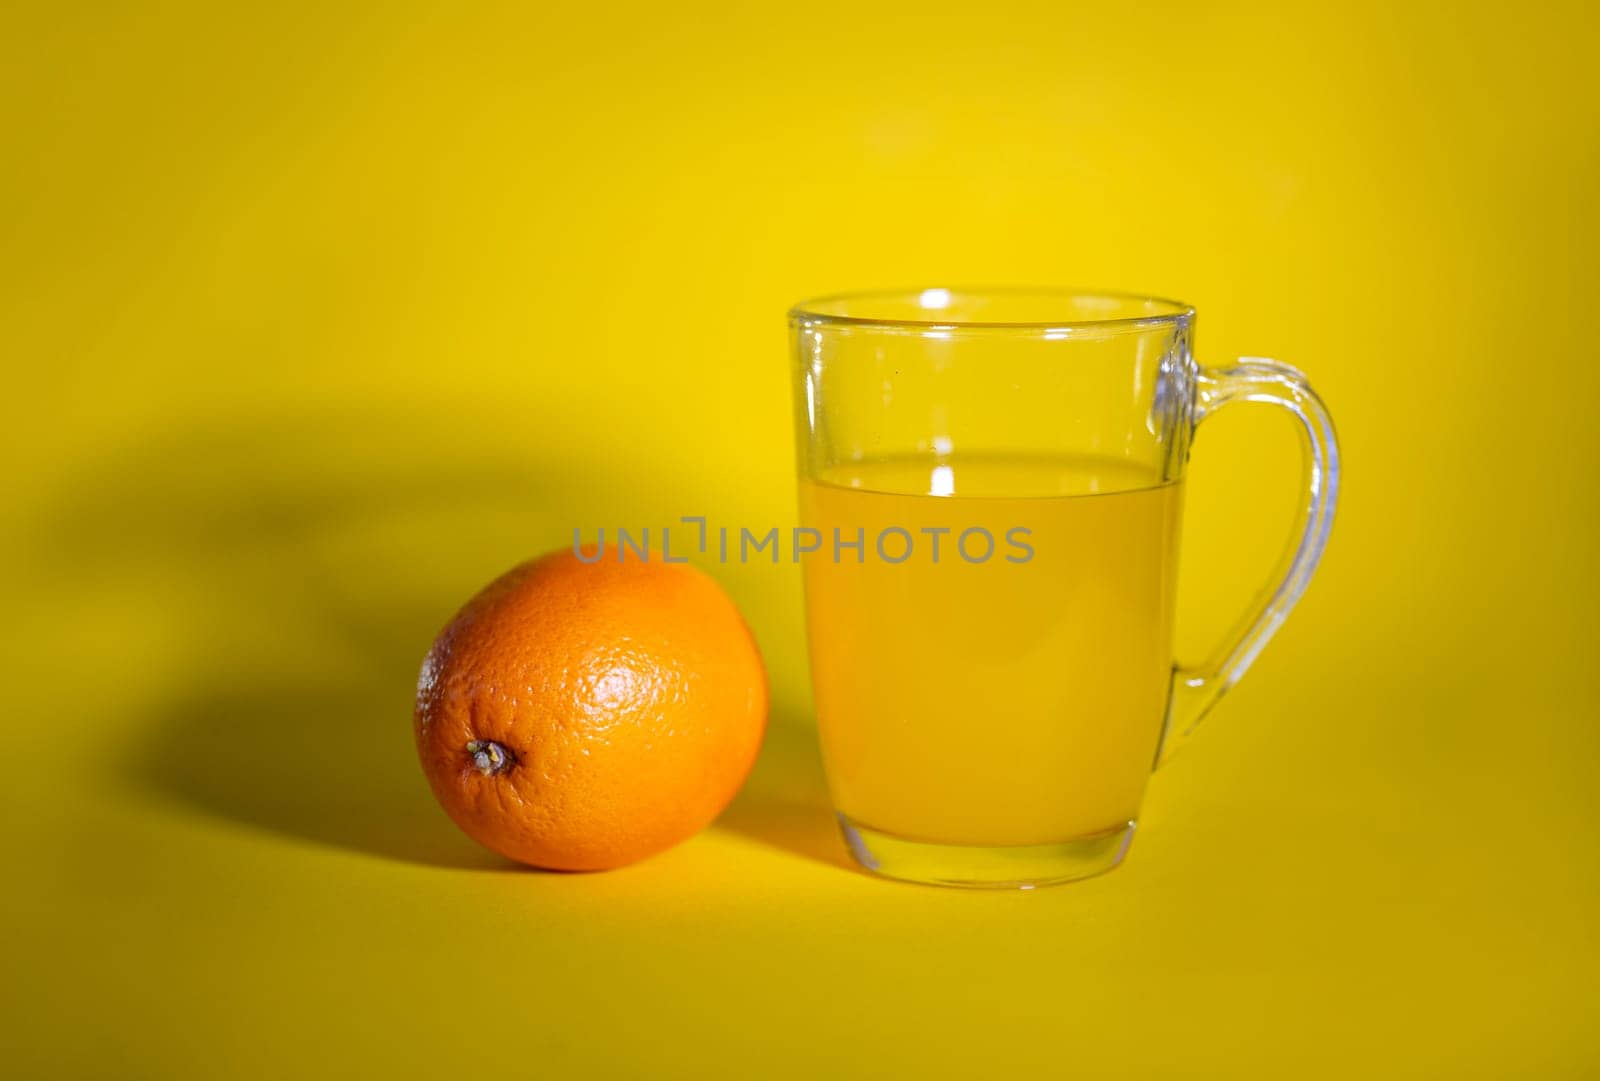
{"x":1255,"y":379}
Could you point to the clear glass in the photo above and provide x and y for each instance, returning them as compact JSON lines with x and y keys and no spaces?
{"x":991,"y":481}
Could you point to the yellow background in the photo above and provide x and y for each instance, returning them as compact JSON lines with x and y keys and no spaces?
{"x":315,"y":318}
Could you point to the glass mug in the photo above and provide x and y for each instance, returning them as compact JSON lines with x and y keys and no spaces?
{"x":992,"y":485}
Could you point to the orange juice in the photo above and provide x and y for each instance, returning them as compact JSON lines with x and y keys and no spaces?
{"x":1014,"y":699}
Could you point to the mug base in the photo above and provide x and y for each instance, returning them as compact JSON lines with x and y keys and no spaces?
{"x":998,"y":867}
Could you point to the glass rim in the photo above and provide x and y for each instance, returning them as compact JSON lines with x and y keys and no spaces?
{"x":807,"y":312}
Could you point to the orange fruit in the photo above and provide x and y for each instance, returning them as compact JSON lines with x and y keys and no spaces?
{"x":579,"y":716}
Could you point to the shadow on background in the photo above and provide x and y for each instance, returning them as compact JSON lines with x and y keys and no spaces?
{"x":332,"y":764}
{"x":308,"y":564}
{"x":785,"y":801}
{"x":312,"y":561}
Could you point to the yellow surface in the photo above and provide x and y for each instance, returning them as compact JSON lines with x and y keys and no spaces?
{"x":1009,"y":700}
{"x":316,"y":318}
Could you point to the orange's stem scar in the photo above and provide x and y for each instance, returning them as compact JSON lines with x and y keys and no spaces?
{"x":489,"y":757}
